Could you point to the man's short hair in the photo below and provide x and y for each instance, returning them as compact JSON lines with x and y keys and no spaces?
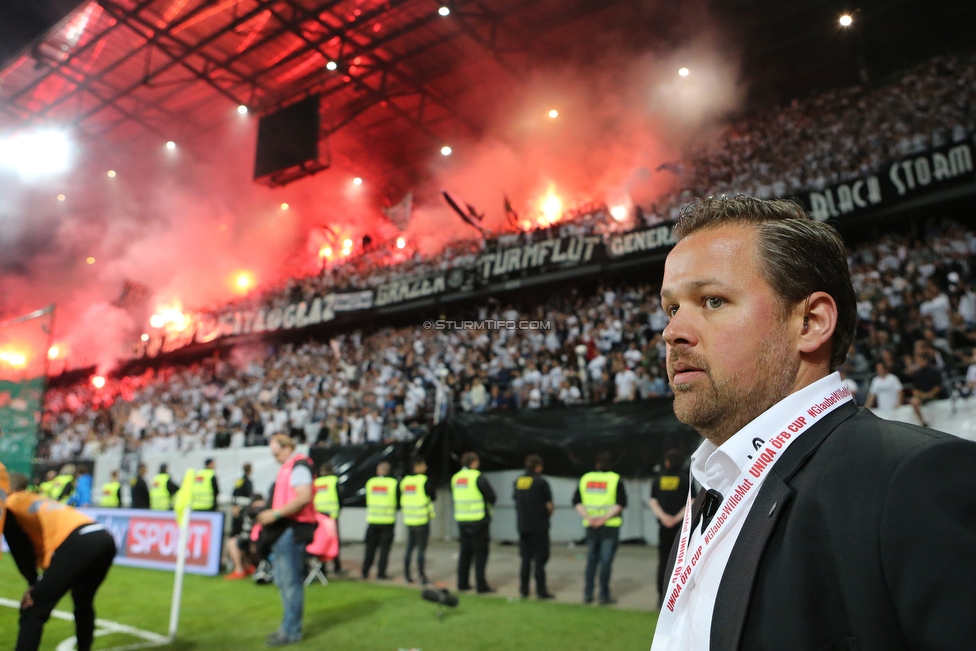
{"x":797,"y":255}
{"x":417,"y":460}
{"x":82,"y":469}
{"x":532,"y":462}
{"x":247,"y":469}
{"x":468,"y":458}
{"x":326,"y":469}
{"x":207,"y":462}
{"x":68,"y":469}
{"x":284,"y":440}
{"x":383,"y":466}
{"x":604,"y":461}
{"x":163,"y":468}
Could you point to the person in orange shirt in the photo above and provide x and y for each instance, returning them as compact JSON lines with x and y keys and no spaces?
{"x":4,"y":491}
{"x":74,"y":551}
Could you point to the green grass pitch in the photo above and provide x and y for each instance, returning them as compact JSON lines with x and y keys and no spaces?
{"x":343,"y":616}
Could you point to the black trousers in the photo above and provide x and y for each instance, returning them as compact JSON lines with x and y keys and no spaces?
{"x":665,"y":538}
{"x":417,"y":537}
{"x":79,"y":564}
{"x":377,"y":535}
{"x":337,"y":564}
{"x":474,"y":545}
{"x":534,"y":547}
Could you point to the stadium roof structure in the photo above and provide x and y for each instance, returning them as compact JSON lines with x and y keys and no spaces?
{"x":405,"y":76}
{"x":116,"y":69}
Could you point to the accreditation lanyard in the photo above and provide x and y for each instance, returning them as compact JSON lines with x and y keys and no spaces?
{"x":754,"y":466}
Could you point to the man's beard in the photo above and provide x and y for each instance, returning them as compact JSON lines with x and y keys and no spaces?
{"x":720,"y":408}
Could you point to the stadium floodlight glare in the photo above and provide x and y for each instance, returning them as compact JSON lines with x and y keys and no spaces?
{"x":554,"y":114}
{"x":98,"y":381}
{"x":683,"y":72}
{"x":144,"y":337}
{"x":90,"y":260}
{"x":61,"y":197}
{"x":401,"y":242}
{"x":36,"y":154}
{"x":357,"y":181}
{"x":446,"y":151}
{"x":331,"y":65}
{"x":111,"y":174}
{"x":284,"y":206}
{"x":444,"y":11}
{"x":242,"y":109}
{"x":170,"y":144}
{"x":846,"y":20}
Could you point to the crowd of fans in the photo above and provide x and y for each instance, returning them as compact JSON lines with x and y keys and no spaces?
{"x":917,"y":308}
{"x":384,"y":385}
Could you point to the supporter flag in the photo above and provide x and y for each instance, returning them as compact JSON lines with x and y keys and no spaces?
{"x":181,"y":501}
{"x":24,"y":345}
{"x":399,"y":213}
{"x":468,"y":214}
{"x":675,"y":168}
{"x":513,"y":218}
{"x":134,"y":296}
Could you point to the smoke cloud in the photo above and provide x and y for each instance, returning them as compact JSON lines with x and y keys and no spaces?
{"x":182,"y":223}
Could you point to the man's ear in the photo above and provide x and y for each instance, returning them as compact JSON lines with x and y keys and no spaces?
{"x":817,"y":323}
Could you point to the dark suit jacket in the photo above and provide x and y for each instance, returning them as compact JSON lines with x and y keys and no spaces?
{"x":863,"y":536}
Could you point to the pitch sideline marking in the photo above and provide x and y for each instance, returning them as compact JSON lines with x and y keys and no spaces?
{"x":104,"y":627}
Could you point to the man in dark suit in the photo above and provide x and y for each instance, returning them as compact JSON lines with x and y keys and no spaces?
{"x":819,"y":526}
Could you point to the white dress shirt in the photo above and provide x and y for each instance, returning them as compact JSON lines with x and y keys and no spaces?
{"x":715,"y":467}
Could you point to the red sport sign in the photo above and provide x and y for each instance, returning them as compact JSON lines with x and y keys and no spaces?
{"x":151,"y":538}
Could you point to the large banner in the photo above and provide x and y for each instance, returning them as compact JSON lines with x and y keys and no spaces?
{"x":24,"y":344}
{"x":495,"y":268}
{"x":902,"y":180}
{"x":150,"y":538}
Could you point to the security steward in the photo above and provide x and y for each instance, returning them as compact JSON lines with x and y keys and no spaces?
{"x":74,"y":551}
{"x":47,"y":486}
{"x":327,"y":502}
{"x":112,"y":492}
{"x":64,"y":484}
{"x":205,"y":488}
{"x":381,"y":508}
{"x":473,"y":498}
{"x":417,"y":506}
{"x":162,"y":490}
{"x":139,"y":491}
{"x":669,"y":492}
{"x":533,"y":506}
{"x":600,"y":498}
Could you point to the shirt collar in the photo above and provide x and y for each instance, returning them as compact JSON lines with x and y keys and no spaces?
{"x":716,"y":466}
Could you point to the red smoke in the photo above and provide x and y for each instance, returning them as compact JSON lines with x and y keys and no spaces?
{"x":185,"y":223}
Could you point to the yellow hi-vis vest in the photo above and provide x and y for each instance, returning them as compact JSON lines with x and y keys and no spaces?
{"x":327,"y":496}
{"x":202,"y":497}
{"x":381,"y":500}
{"x":417,"y":508}
{"x":110,"y":495}
{"x":159,"y":497}
{"x":598,"y":493}
{"x":46,"y":488}
{"x":60,"y":483}
{"x":469,"y":503}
